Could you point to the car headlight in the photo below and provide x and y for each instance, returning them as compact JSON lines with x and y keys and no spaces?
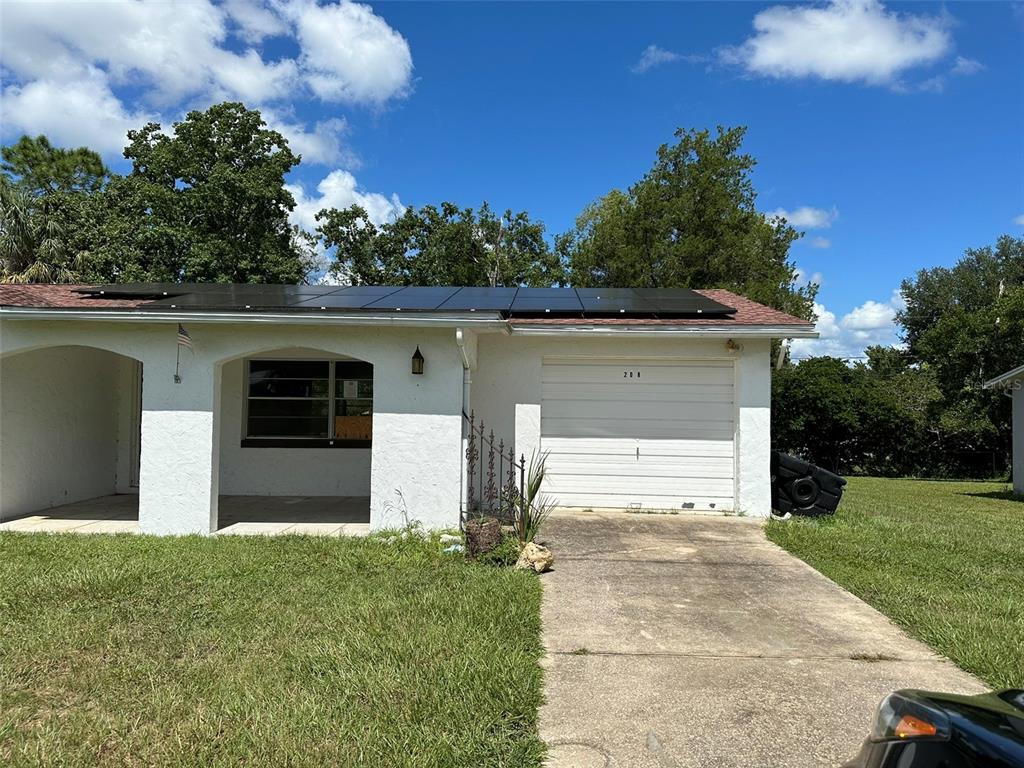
{"x":904,"y":716}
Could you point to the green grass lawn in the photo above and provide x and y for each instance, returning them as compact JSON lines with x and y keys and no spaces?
{"x":246,"y":651}
{"x":944,"y":560}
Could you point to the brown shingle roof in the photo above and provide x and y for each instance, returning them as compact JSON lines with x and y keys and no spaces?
{"x":58,"y":297}
{"x":747,"y":312}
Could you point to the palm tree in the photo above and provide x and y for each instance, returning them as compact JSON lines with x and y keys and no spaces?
{"x":33,"y":248}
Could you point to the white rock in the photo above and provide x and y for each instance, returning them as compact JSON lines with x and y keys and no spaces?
{"x":535,"y":557}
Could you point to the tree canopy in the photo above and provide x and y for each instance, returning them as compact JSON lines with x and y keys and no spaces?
{"x":43,"y":193}
{"x":690,"y":222}
{"x":966,"y":322}
{"x":442,"y":245}
{"x":38,"y":168}
{"x":204,"y":203}
{"x":918,"y":410}
{"x":873,"y":418}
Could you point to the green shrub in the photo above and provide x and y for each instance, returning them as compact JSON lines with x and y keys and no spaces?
{"x":503,"y":555}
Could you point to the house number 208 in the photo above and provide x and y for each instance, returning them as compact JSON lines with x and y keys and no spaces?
{"x":631,"y":374}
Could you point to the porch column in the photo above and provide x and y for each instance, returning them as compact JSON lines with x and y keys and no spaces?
{"x":416,"y":464}
{"x":178,"y":472}
{"x":527,"y":431}
{"x":754,"y":439}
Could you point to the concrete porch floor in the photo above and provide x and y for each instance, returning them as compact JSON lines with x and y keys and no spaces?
{"x":238,"y":515}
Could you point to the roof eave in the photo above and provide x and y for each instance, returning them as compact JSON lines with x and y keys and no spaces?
{"x":130,"y":315}
{"x":1016,"y":373}
{"x":680,"y":329}
{"x":482,"y":319}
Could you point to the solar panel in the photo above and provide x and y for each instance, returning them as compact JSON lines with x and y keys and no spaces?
{"x":204,"y":300}
{"x":626,"y":302}
{"x":140,"y":290}
{"x":476,"y":299}
{"x":615,"y":301}
{"x":354,"y":297}
{"x":546,"y":301}
{"x":414,"y":298}
{"x":241,"y":297}
{"x":681,"y":301}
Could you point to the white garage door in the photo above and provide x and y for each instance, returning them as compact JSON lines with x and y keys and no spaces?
{"x":653,"y":433}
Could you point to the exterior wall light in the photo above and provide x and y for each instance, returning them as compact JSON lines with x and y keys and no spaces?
{"x":417,"y":362}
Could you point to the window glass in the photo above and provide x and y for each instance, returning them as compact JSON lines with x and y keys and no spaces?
{"x":293,"y":399}
{"x":353,"y":401}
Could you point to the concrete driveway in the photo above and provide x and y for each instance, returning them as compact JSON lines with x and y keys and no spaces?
{"x":694,"y":641}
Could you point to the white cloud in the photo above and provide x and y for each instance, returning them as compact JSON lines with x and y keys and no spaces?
{"x":188,"y":55}
{"x":806,"y":217}
{"x":339,"y":189}
{"x":325,"y":144}
{"x":254,"y":20}
{"x":965,"y":66}
{"x":350,"y":54}
{"x":935,"y":84}
{"x":871,"y":323}
{"x":820,"y":242}
{"x":870,"y":316}
{"x":653,"y":56}
{"x":175,"y":49}
{"x":845,"y":40}
{"x":1019,"y":220}
{"x":74,"y":113}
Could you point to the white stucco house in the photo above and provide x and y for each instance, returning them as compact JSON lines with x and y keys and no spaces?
{"x":656,"y":399}
{"x":1012,"y":384}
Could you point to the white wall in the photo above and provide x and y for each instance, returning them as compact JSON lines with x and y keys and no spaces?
{"x":754,"y":438}
{"x":416,"y":454}
{"x":64,"y":433}
{"x":507,"y":393}
{"x":1018,"y":437}
{"x":282,"y":471}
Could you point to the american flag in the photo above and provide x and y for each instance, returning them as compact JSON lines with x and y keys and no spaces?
{"x":184,"y":340}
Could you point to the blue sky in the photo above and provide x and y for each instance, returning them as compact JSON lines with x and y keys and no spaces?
{"x":892,"y":134}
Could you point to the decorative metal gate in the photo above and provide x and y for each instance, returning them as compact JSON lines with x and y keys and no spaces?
{"x":495,"y":480}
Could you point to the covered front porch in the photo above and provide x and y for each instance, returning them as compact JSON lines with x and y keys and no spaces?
{"x":238,"y":515}
{"x":254,"y":429}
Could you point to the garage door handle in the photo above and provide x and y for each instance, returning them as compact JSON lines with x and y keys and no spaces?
{"x":638,"y":453}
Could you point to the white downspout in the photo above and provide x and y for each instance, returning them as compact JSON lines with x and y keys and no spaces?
{"x":467,"y":379}
{"x":467,"y":382}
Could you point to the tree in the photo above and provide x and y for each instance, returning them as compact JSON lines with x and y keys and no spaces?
{"x":439,"y":246}
{"x":966,"y":323}
{"x":43,"y":191}
{"x":876,"y":418}
{"x":814,"y":412}
{"x":33,"y":244}
{"x":690,"y":222}
{"x":206,"y":203}
{"x":39,"y":168}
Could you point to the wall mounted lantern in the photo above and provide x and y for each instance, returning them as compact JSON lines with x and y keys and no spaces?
{"x":417,"y":362}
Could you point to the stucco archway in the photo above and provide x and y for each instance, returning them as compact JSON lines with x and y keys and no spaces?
{"x":295,"y":434}
{"x":69,"y":430}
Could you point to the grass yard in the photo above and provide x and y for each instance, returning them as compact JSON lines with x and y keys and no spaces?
{"x":944,"y":560}
{"x":251,"y":651}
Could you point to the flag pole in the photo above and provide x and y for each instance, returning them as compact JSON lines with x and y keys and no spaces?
{"x":177,"y":362}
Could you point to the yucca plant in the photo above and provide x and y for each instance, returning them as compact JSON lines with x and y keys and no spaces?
{"x":530,"y":513}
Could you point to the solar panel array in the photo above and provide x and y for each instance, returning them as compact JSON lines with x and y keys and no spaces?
{"x":508,"y":302}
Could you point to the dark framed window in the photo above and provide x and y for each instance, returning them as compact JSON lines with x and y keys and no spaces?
{"x":308,"y":403}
